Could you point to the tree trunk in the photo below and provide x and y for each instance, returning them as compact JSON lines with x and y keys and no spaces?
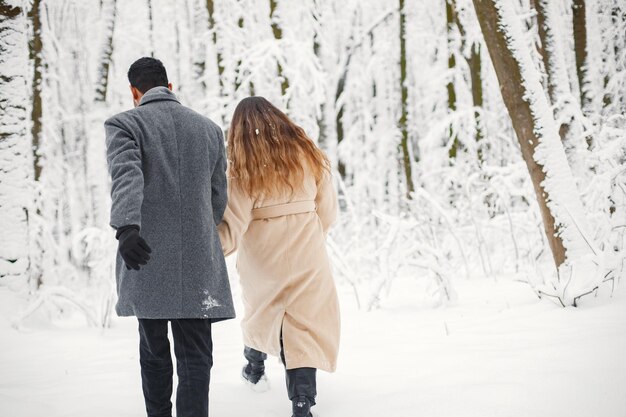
{"x":109,"y":11}
{"x":341,"y":166}
{"x":475,"y":66}
{"x":560,"y":206}
{"x":35,"y":55}
{"x":16,"y":166}
{"x":94,"y":164}
{"x":558,"y":80}
{"x":551,"y":55}
{"x":344,"y":69}
{"x":199,"y":22}
{"x":326,"y":115}
{"x":474,"y":63}
{"x":35,"y":49}
{"x":579,"y":20}
{"x":241,"y":23}
{"x":278,"y":35}
{"x":321,"y":122}
{"x":451,"y":22}
{"x":213,"y":30}
{"x":612,"y":60}
{"x":402,"y":123}
{"x":151,"y":28}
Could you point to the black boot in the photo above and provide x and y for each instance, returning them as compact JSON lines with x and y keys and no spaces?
{"x":301,"y":386}
{"x":254,"y":372}
{"x":302,"y":390}
{"x":301,"y":407}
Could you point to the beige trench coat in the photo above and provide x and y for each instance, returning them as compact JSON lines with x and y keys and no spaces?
{"x":284,"y":272}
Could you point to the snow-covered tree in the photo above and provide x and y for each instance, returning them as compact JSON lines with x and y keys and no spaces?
{"x":559,"y":201}
{"x":16,"y":157}
{"x":567,"y":108}
{"x":402,"y":95}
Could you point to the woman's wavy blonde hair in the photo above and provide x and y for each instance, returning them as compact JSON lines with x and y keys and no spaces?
{"x":268,"y":153}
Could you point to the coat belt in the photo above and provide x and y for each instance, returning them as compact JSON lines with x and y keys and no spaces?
{"x":283,"y":209}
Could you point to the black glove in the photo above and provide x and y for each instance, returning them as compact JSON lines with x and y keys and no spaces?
{"x":133,"y":248}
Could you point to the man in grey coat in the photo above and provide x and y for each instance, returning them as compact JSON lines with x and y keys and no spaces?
{"x":167,"y":165}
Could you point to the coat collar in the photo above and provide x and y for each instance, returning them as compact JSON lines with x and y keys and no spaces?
{"x":158,"y":94}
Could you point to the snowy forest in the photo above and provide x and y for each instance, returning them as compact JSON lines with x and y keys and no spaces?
{"x":467,"y":139}
{"x":471,"y":142}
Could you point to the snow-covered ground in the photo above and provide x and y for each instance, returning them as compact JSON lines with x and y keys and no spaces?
{"x":498,"y":352}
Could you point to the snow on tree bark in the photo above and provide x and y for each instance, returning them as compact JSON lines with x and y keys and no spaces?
{"x":471,"y":50}
{"x":614,"y":55}
{"x":95,"y":164}
{"x":214,"y":39}
{"x":475,"y":65}
{"x":109,"y":10}
{"x":216,"y":89}
{"x":561,"y":208}
{"x":16,"y":166}
{"x":200,"y":33}
{"x":559,"y":90}
{"x":278,"y":35}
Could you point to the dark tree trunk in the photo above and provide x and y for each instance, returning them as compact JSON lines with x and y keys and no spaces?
{"x":451,"y":23}
{"x":278,"y":35}
{"x":341,"y":166}
{"x":35,"y":55}
{"x":475,"y":66}
{"x":213,"y":29}
{"x":402,"y":123}
{"x":580,"y":46}
{"x":151,"y":28}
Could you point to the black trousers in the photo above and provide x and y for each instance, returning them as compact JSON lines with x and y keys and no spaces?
{"x":193,"y":348}
{"x":300,"y":381}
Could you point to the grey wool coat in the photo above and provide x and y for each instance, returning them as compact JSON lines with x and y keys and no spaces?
{"x":168,"y":172}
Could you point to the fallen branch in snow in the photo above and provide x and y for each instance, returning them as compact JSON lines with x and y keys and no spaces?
{"x":56,"y":294}
{"x":343,"y":267}
{"x":426,"y":196}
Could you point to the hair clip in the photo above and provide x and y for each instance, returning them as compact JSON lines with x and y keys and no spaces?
{"x":256,"y":131}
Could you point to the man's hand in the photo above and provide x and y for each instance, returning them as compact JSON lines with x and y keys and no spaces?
{"x":133,"y":248}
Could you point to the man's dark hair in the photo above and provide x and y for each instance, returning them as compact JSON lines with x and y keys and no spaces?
{"x":147,"y":73}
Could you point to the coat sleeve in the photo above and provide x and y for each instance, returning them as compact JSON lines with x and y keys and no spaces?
{"x":237,"y":218}
{"x":219,"y":196}
{"x":125,"y":168}
{"x":326,"y":201}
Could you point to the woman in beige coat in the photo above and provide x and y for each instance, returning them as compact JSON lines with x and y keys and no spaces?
{"x":281,"y":203}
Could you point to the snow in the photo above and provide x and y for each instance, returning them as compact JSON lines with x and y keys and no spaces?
{"x":498,"y":352}
{"x":209,"y":302}
{"x":451,"y":331}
